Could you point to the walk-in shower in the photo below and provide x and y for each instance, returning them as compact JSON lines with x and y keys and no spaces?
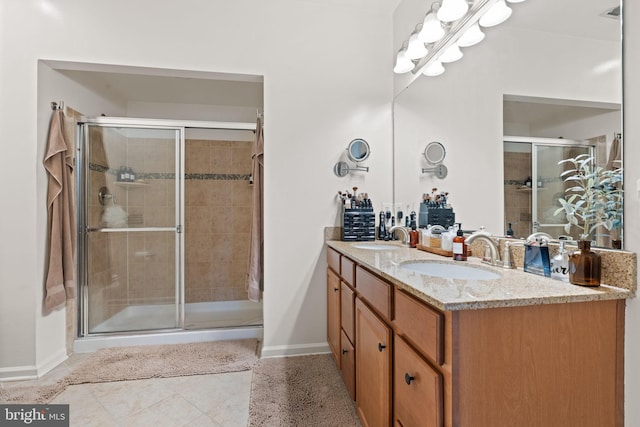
{"x":164,"y":209}
{"x":533,"y":183}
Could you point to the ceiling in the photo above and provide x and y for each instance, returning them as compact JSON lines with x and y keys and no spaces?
{"x":579,"y":18}
{"x":141,"y":84}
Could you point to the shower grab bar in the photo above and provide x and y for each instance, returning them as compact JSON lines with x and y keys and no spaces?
{"x":143,"y":229}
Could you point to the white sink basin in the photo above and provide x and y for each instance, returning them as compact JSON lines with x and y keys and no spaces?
{"x":375,"y":246}
{"x":450,"y":270}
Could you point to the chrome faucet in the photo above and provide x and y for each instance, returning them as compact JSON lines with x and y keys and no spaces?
{"x":403,"y":229}
{"x":494,"y":254}
{"x":493,"y":257}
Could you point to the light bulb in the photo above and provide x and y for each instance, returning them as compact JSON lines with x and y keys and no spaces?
{"x":452,"y":10}
{"x":497,"y":14}
{"x":403,"y":64}
{"x":472,"y":36}
{"x":416,"y":48}
{"x":432,"y":30}
{"x":452,"y":54}
{"x":434,"y":69}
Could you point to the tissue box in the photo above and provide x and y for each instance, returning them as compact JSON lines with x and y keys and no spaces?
{"x":536,"y":259}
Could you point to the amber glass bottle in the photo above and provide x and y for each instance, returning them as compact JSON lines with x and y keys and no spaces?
{"x":584,"y":265}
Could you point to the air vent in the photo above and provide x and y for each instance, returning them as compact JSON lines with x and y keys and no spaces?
{"x":613,"y":13}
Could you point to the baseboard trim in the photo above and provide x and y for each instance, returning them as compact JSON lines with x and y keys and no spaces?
{"x":19,"y":373}
{"x":52,"y":361}
{"x":294,"y":350}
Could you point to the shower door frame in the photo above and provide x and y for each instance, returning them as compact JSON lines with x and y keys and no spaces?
{"x":536,"y":142}
{"x":82,"y":232}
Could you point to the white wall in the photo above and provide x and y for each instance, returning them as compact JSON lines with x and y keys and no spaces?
{"x":463,"y":109}
{"x":327,"y":80}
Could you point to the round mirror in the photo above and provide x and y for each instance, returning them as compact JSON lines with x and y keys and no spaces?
{"x":358,"y":150}
{"x":341,"y":169}
{"x":434,"y":153}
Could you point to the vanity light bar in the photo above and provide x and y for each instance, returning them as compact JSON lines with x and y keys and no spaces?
{"x":458,"y":29}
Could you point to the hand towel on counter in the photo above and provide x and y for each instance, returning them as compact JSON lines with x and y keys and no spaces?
{"x":61,"y":266}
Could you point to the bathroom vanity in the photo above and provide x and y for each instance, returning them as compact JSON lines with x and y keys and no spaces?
{"x":490,"y":347}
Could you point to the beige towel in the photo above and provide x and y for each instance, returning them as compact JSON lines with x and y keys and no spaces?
{"x":615,"y":154}
{"x":256,"y":244}
{"x":58,"y":162}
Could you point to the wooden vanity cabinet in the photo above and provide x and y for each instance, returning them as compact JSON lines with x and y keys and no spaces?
{"x":333,"y":314}
{"x":373,"y":368}
{"x":417,"y":389}
{"x":537,"y":365}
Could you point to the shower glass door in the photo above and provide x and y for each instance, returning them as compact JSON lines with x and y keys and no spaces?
{"x":548,"y":186}
{"x":130,"y":225}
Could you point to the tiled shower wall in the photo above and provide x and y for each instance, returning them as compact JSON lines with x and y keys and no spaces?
{"x":217,"y":217}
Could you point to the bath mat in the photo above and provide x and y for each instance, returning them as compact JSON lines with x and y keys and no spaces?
{"x":300,"y":391}
{"x":141,"y":362}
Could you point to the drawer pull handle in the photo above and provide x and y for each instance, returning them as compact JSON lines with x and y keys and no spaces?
{"x":408,"y":378}
{"x":381,"y":347}
{"x":345,"y":351}
{"x":336,"y":289}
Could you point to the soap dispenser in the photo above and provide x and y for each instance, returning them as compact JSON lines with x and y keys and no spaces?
{"x":459,"y":246}
{"x":413,"y":234}
{"x":560,"y":264}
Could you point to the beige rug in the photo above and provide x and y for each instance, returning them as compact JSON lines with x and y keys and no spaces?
{"x":300,"y":391}
{"x":134,"y":363}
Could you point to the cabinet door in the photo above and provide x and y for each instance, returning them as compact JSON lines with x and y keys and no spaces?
{"x":333,"y":314}
{"x":347,"y":299}
{"x":348,"y":365}
{"x":373,"y":368}
{"x":417,"y":400}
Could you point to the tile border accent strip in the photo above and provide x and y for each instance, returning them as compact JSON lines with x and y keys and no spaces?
{"x":170,"y":175}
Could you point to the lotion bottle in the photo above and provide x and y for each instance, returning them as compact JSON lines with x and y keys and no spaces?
{"x":459,"y":246}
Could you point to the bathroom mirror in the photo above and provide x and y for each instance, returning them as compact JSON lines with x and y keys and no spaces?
{"x":358,"y":150}
{"x":434,"y":153}
{"x":538,"y":60}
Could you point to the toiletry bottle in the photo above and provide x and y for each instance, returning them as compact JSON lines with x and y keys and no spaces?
{"x":527,"y":182}
{"x":426,"y":236}
{"x":382,"y":229}
{"x":413,"y":236}
{"x":446,"y":243}
{"x":459,"y":246}
{"x":560,"y":264}
{"x":509,"y":231}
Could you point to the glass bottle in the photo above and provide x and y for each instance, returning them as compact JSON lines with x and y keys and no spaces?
{"x":584,"y":265}
{"x":560,"y":264}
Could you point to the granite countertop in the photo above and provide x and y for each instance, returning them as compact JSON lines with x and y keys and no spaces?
{"x":513,"y":288}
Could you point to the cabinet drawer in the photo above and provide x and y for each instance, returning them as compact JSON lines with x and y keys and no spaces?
{"x":421,"y":325}
{"x":333,"y":260}
{"x":347,"y":299}
{"x":347,"y":270}
{"x":348,"y":365}
{"x":418,"y":396}
{"x":375,"y":290}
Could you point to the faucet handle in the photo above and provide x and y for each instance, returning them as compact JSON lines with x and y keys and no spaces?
{"x":487,"y":254}
{"x":507,"y":260}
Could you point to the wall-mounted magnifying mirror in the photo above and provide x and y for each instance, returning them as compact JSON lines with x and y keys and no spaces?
{"x":435,"y":153}
{"x":358,"y":150}
{"x":341,"y":169}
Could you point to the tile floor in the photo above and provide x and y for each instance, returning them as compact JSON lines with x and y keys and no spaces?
{"x":218,"y":400}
